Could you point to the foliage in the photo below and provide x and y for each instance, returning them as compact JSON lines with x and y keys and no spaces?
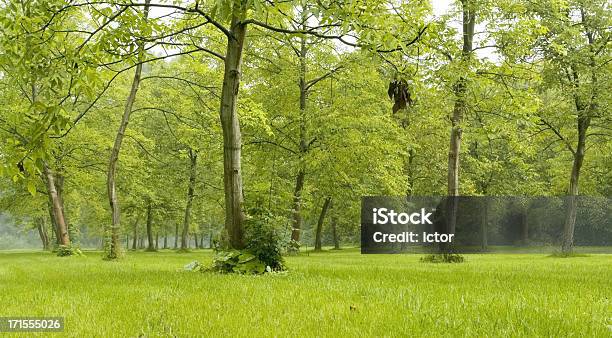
{"x":69,"y":250}
{"x":266,"y":239}
{"x":443,"y":258}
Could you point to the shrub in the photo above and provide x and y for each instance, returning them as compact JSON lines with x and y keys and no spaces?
{"x":69,"y":250}
{"x":443,"y":258}
{"x":263,"y":252}
{"x":264,"y":239}
{"x":237,"y":261}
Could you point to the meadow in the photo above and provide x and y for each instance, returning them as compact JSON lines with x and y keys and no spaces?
{"x":333,"y":293}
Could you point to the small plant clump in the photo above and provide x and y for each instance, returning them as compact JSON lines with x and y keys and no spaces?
{"x":69,"y":250}
{"x":262,"y":254}
{"x":443,"y":258}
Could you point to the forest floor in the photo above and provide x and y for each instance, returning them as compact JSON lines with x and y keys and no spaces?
{"x":334,"y":293}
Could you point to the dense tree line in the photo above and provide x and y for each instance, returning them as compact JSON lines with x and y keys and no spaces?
{"x":182,"y":120}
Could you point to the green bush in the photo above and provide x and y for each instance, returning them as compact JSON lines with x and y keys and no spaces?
{"x":265,"y":240}
{"x":69,"y":250}
{"x":238,"y":262}
{"x":443,"y":258}
{"x":262,"y":253}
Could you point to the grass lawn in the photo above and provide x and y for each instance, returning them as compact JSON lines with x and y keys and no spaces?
{"x":339,"y":293}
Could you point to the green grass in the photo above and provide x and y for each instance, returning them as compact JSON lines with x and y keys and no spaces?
{"x":334,"y":293}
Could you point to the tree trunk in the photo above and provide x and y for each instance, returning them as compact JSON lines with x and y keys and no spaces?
{"x":318,"y":246}
{"x":114,"y":248}
{"x":135,"y":239}
{"x":232,"y":174}
{"x":193,"y":156}
{"x":484,"y":223}
{"x":165,"y":238}
{"x":156,"y":241}
{"x":297,"y":206}
{"x":524,"y":228}
{"x":202,"y":240}
{"x":54,"y":232}
{"x":299,"y":180}
{"x":572,"y":205}
{"x":195,"y":240}
{"x":176,"y":235}
{"x":150,"y":244}
{"x":334,"y":222}
{"x":58,"y":214}
{"x":410,"y":172}
{"x":42,"y":232}
{"x":459,"y":111}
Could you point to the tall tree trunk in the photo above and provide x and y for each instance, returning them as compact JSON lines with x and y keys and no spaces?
{"x":484,"y":223}
{"x":572,"y":205}
{"x":299,"y":180}
{"x":176,"y":235}
{"x":524,"y":227}
{"x":59,"y":186}
{"x":232,"y":143}
{"x":135,"y":239}
{"x":114,"y":246}
{"x":318,"y":245}
{"x":165,"y":238}
{"x":584,"y":112}
{"x":195,"y":240}
{"x":410,"y":172}
{"x":150,"y":243}
{"x":156,"y":241}
{"x":297,"y":206}
{"x":193,"y":156}
{"x":459,"y":110}
{"x":58,"y":214}
{"x":54,"y":228}
{"x":334,"y":225}
{"x":42,"y":232}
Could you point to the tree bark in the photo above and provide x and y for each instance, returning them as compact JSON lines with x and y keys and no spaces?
{"x":42,"y":232}
{"x":150,"y":244}
{"x":484,"y":224}
{"x":193,"y":156}
{"x":135,"y":239}
{"x":165,"y":238}
{"x":410,"y":172}
{"x":232,"y":174}
{"x":58,"y":214}
{"x":114,"y":245}
{"x":176,"y":235}
{"x":572,"y":205}
{"x":195,"y":240}
{"x":297,"y":206}
{"x":54,"y":233}
{"x":524,"y":227}
{"x":584,"y":112}
{"x":303,"y":148}
{"x":459,"y":110}
{"x":318,"y":246}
